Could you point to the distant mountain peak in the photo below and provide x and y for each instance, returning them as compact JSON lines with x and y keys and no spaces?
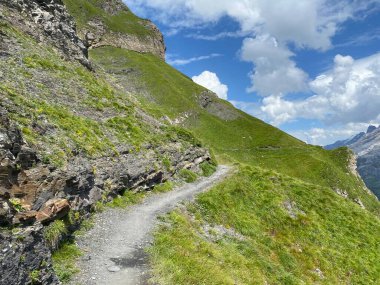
{"x":371,"y":128}
{"x":367,"y":148}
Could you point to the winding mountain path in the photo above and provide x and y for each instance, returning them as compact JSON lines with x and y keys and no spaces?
{"x":114,"y":248}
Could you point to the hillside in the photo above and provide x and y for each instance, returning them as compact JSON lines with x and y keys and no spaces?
{"x":172,"y":97}
{"x":89,"y":110}
{"x":69,"y":139}
{"x":366,"y":147}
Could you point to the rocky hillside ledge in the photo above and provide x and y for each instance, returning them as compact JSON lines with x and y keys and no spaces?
{"x":111,"y":23}
{"x":34,"y":194}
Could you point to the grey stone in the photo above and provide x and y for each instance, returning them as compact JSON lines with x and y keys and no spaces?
{"x":113,"y":268}
{"x":26,"y":256}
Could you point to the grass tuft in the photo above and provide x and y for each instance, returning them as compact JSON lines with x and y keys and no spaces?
{"x":54,"y":232}
{"x":188,"y":175}
{"x":127,"y":199}
{"x":64,"y":261}
{"x":164,"y":187}
{"x":207,"y":168}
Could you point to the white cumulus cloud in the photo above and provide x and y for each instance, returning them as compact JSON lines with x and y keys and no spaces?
{"x":348,"y":93}
{"x":309,"y":23}
{"x":275,"y":73}
{"x":211,"y":81}
{"x":270,"y":26}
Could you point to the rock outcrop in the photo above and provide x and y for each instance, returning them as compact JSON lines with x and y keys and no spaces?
{"x":32,"y":193}
{"x":48,"y":21}
{"x":137,"y":34}
{"x":25,"y":257}
{"x":208,"y":101}
{"x":367,"y":149}
{"x":96,"y":35}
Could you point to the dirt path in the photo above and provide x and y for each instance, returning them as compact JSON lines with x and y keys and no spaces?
{"x":114,"y":248}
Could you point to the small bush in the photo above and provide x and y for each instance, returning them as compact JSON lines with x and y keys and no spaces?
{"x":188,"y":175}
{"x":207,"y":168}
{"x":99,"y":207}
{"x":178,"y":133}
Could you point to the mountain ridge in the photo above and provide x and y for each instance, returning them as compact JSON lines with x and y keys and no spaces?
{"x":367,"y":148}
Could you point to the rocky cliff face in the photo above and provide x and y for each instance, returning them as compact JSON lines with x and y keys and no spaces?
{"x":367,"y":148}
{"x":96,"y":35}
{"x":47,"y":21}
{"x":69,"y":138}
{"x":113,"y":24}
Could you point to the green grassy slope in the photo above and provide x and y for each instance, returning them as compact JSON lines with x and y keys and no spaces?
{"x":277,"y":230}
{"x":277,"y":220}
{"x":166,"y":92}
{"x":291,"y":227}
{"x":63,"y":108}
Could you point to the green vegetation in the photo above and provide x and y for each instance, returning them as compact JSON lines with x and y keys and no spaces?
{"x":54,"y":232}
{"x":289,"y":232}
{"x":163,"y":90}
{"x":167,"y":163}
{"x":16,"y":204}
{"x":123,"y":21}
{"x":172,"y":92}
{"x":64,"y":261}
{"x":283,"y":222}
{"x":164,"y":187}
{"x":296,"y":229}
{"x":84,"y":114}
{"x":35,"y":276}
{"x":36,"y":61}
{"x":187,"y":175}
{"x":128,"y":198}
{"x":208,"y":168}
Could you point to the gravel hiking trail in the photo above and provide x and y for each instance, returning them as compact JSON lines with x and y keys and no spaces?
{"x":114,"y":248}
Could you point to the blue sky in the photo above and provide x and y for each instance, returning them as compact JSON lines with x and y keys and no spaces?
{"x":311,"y":68}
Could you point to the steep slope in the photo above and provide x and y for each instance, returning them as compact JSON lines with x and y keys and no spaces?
{"x":260,"y":227}
{"x":367,"y":149}
{"x":69,"y":139}
{"x":76,"y":131}
{"x":233,"y":135}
